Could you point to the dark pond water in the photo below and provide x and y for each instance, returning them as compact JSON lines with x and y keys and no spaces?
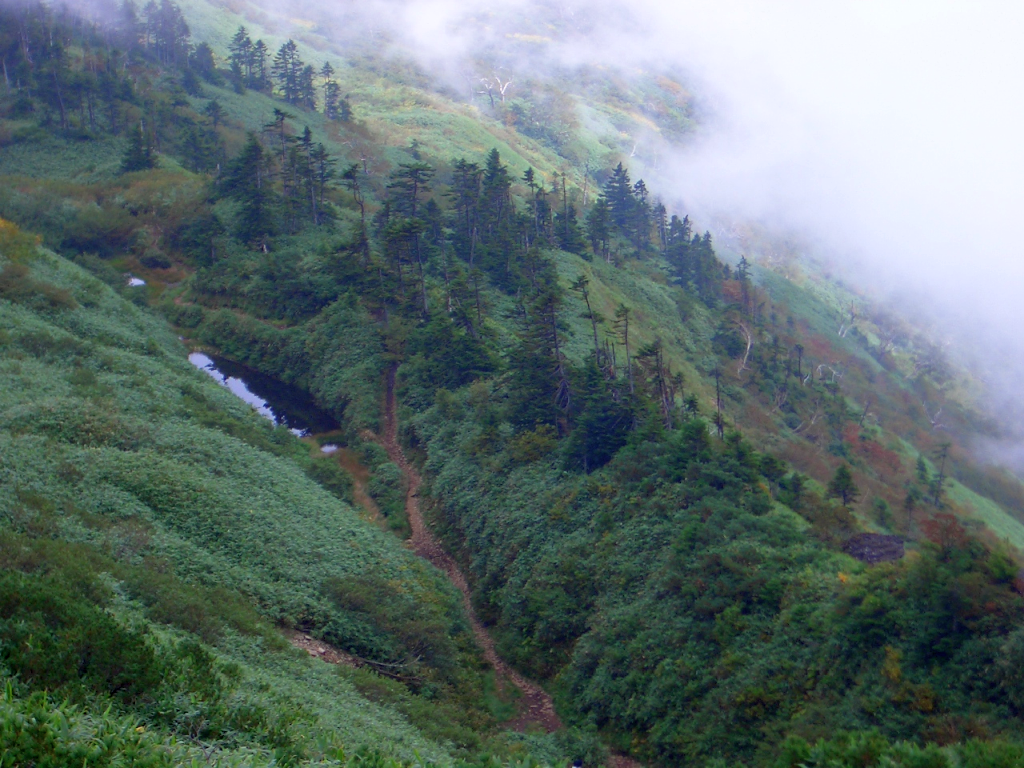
{"x":282,"y":403}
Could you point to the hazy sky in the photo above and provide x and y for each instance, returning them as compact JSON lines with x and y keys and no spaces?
{"x":891,"y":130}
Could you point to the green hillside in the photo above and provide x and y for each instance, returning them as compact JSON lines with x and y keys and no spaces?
{"x":651,"y":458}
{"x":156,"y":531}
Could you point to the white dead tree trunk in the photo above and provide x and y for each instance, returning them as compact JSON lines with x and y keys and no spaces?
{"x":502,"y":86}
{"x":750,"y":343}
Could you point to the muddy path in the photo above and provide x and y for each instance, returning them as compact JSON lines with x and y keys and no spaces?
{"x":536,"y":707}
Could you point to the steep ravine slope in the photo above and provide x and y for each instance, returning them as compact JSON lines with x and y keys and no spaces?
{"x":629,"y":442}
{"x":174,"y":521}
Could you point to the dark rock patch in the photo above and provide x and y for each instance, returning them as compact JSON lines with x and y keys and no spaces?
{"x":875,"y":547}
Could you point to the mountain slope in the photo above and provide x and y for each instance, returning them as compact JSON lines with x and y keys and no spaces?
{"x":648,"y":454}
{"x":132,"y":482}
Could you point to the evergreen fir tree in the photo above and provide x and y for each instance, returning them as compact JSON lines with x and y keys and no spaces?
{"x":259,"y":78}
{"x":602,"y":422}
{"x":139,"y":154}
{"x":618,"y":191}
{"x":599,"y":227}
{"x":240,"y":59}
{"x":248,"y":181}
{"x":287,"y":70}
{"x":842,"y":486}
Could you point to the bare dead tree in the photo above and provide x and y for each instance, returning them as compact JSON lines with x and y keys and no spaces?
{"x":488,"y":90}
{"x":864,"y":413}
{"x":846,"y":325}
{"x":750,"y":343}
{"x":502,"y":86}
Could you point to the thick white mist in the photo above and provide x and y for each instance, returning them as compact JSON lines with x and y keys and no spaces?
{"x":892,"y":134}
{"x":890,"y":131}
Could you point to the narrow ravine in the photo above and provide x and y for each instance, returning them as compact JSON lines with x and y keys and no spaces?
{"x":537,"y":709}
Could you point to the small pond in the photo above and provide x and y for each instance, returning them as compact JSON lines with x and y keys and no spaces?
{"x":282,"y":403}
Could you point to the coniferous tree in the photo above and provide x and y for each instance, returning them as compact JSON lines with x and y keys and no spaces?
{"x":539,"y":392}
{"x":465,"y":192}
{"x":660,"y":216}
{"x":792,"y":490}
{"x":641,"y":224}
{"x":599,"y":227}
{"x":497,"y":217}
{"x":567,"y":229}
{"x":842,"y":486}
{"x":287,"y":71}
{"x":707,"y":269}
{"x":602,"y":422}
{"x":203,"y":63}
{"x":215,"y":112}
{"x":677,"y":250}
{"x":248,"y":180}
{"x":167,"y":33}
{"x":307,"y":88}
{"x":938,"y":484}
{"x":323,"y":176}
{"x":660,"y":385}
{"x":743,"y":277}
{"x":350,"y":179}
{"x":408,"y":183}
{"x":618,"y":191}
{"x":621,"y":327}
{"x":201,"y":147}
{"x":139,"y":154}
{"x":332,"y":92}
{"x":531,"y":183}
{"x":240,"y":59}
{"x":259,"y":77}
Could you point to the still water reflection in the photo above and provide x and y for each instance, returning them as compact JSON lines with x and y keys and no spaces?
{"x":282,"y":403}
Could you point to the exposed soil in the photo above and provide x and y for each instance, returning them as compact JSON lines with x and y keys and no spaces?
{"x":536,"y":707}
{"x":321,"y":650}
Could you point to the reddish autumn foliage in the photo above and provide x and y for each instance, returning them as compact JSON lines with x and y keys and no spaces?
{"x":880,"y":457}
{"x":945,"y":530}
{"x":887,"y":463}
{"x":819,"y":347}
{"x":732,"y":291}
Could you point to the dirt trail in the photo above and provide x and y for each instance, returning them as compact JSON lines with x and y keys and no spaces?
{"x":537,"y":708}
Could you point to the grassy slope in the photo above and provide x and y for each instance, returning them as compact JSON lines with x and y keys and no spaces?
{"x":111,"y":439}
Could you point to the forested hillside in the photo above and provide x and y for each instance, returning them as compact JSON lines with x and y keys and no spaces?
{"x":720,"y":507}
